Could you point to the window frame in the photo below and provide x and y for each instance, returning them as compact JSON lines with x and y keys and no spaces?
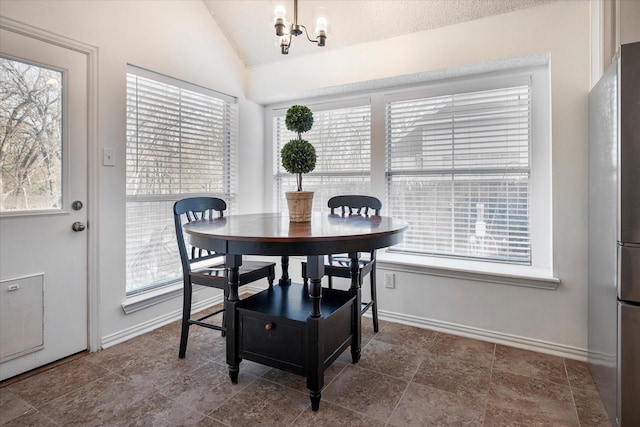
{"x":541,"y":271}
{"x":230,"y":135}
{"x":462,"y":88}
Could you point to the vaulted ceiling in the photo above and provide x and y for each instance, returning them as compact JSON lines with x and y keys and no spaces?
{"x":248,"y":24}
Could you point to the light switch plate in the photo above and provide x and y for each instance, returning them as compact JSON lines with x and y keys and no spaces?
{"x":108,"y":157}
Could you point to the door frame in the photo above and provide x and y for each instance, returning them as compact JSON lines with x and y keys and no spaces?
{"x":91,"y":53}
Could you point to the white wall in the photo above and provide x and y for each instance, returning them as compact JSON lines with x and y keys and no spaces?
{"x":552,"y":320}
{"x":180,"y":39}
{"x":176,"y":38}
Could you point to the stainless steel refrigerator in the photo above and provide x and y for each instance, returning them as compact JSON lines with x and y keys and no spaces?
{"x":614,"y":237}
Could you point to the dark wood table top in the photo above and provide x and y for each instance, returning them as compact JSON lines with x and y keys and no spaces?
{"x":273,"y":234}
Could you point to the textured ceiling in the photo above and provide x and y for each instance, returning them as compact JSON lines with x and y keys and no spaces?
{"x":248,"y":24}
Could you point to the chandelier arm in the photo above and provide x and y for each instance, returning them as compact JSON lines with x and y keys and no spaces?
{"x":306,"y":33}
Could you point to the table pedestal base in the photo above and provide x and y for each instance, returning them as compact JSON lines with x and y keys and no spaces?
{"x":275,"y":328}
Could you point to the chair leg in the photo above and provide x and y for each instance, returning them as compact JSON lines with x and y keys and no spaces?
{"x":374,"y":299}
{"x":223,"y":332}
{"x":272,"y":276}
{"x":186,"y":315}
{"x":305,"y":278}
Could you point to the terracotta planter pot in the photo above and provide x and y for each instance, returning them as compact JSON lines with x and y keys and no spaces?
{"x":299,"y":203}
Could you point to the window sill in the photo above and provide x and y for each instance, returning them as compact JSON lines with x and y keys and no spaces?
{"x":505,"y":274}
{"x":147,"y":299}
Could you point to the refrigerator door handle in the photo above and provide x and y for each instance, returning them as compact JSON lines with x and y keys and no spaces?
{"x":629,"y":273}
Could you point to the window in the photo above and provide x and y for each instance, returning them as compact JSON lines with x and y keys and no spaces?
{"x":181,"y":141}
{"x":31,"y":128}
{"x":465,"y":160}
{"x":342,"y":138}
{"x":458,"y":170}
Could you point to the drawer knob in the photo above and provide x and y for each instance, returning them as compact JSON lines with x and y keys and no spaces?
{"x":268,"y":326}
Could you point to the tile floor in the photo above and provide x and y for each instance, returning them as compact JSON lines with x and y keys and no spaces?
{"x":407,"y":377}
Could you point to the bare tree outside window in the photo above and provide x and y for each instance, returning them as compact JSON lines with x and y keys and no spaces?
{"x":30,"y":136}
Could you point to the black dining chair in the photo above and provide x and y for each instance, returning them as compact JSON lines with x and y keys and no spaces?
{"x":207,"y":268}
{"x":340,"y":265}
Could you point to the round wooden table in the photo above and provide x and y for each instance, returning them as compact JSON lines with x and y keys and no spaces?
{"x":323,"y":336}
{"x":273,"y":234}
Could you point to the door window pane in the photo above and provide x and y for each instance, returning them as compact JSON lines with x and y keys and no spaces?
{"x":30,"y":137}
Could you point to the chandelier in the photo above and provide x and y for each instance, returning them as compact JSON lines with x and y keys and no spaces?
{"x":286,"y":29}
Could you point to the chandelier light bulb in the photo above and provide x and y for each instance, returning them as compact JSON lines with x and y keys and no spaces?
{"x":321,"y":24}
{"x":321,"y":19}
{"x":280,"y":12}
{"x":285,"y":44}
{"x":279,"y":21}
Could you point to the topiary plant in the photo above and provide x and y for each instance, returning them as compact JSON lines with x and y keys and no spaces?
{"x":299,"y":119}
{"x":298,"y":155}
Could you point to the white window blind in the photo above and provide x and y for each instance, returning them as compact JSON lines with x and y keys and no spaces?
{"x":458,"y":171}
{"x":181,"y":141}
{"x":342,"y":140}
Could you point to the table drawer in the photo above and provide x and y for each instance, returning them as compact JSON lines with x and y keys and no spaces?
{"x":275,"y":342}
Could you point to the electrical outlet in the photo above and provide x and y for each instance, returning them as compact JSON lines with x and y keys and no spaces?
{"x":389,"y":280}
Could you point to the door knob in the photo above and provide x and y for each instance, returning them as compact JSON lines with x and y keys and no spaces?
{"x":77,"y":226}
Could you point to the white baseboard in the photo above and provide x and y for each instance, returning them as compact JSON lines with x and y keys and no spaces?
{"x":487,"y":335}
{"x":148,"y":326}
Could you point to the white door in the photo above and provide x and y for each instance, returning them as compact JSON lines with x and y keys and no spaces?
{"x":43,"y":192}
